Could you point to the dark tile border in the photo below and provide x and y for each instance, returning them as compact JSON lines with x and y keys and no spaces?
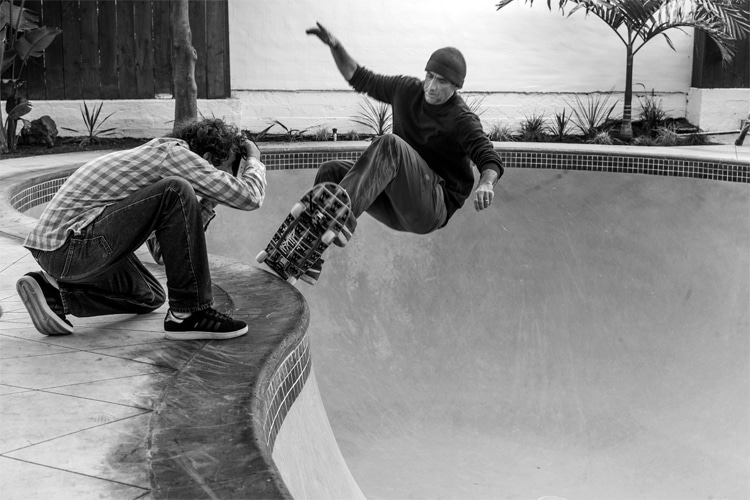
{"x":33,"y":192}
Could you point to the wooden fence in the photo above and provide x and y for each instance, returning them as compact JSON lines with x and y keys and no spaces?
{"x":708,"y":71}
{"x":122,"y":49}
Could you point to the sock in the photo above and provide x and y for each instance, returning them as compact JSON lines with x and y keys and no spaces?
{"x":180,"y":315}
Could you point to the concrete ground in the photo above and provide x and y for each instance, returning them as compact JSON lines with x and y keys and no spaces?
{"x":64,"y":401}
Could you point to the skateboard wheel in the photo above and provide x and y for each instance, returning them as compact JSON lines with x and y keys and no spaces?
{"x":342,"y":239}
{"x":328,"y":237}
{"x":263,"y":255}
{"x":297,"y":209}
{"x":291,"y":280}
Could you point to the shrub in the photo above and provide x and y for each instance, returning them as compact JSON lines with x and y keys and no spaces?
{"x":560,"y":128}
{"x":696,"y":139}
{"x":500,"y":133}
{"x":643,"y":140}
{"x":652,"y":115}
{"x":667,"y":136}
{"x":321,"y":134}
{"x":593,"y":114}
{"x":94,"y":128}
{"x":376,"y":117}
{"x":533,"y":129}
{"x":603,"y":137}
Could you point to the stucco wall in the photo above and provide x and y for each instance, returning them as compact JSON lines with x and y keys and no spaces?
{"x":519,"y":48}
{"x":718,"y":109}
{"x":523,"y":60}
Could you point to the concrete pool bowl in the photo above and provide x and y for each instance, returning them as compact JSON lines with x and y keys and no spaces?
{"x":587,"y":337}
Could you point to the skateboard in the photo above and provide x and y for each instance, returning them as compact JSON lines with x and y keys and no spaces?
{"x":312,"y":225}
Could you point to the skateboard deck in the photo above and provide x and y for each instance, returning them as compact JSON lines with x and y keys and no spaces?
{"x":311,"y":226}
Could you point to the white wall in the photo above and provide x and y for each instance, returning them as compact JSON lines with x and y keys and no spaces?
{"x":519,"y":48}
{"x":523,"y":60}
{"x":718,"y":110}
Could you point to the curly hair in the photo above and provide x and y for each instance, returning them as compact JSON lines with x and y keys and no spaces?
{"x":210,"y":135}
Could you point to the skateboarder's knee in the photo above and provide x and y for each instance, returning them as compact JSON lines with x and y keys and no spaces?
{"x":332,"y":171}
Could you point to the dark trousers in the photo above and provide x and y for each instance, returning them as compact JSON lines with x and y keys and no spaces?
{"x":392,"y":183}
{"x":99,"y":273}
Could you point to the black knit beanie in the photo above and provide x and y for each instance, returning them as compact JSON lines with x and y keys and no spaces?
{"x":449,"y":63}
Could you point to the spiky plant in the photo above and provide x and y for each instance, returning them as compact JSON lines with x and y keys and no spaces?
{"x":376,"y":117}
{"x":637,"y":22}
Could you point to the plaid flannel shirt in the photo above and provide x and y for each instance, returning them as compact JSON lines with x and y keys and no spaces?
{"x":113,"y":177}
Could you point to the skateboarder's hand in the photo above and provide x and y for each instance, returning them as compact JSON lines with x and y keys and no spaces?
{"x":483,"y":196}
{"x":325,"y":36}
{"x":485,"y":192}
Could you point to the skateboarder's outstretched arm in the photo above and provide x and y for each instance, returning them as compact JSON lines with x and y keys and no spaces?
{"x":347,"y":66}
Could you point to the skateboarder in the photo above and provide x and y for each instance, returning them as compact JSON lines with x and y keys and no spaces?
{"x":86,"y":238}
{"x":415,"y":179}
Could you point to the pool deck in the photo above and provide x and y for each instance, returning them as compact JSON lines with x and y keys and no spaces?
{"x":64,"y":400}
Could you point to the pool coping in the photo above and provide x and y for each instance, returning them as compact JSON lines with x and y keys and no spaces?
{"x":238,"y":421}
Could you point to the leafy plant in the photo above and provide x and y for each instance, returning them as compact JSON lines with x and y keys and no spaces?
{"x":533,"y":128}
{"x":643,"y":140}
{"x":475,"y":104}
{"x":353,"y":136}
{"x":560,"y":128}
{"x":321,"y":133}
{"x":696,"y":139}
{"x":255,"y":137}
{"x":652,"y":115}
{"x":93,"y":125}
{"x":376,"y":117}
{"x":667,"y":136}
{"x":603,"y":137}
{"x":500,"y":132}
{"x":292,"y":134}
{"x":637,"y":22}
{"x":21,"y":38}
{"x":591,"y":115}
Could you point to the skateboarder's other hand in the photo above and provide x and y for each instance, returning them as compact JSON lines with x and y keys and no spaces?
{"x":483,"y":196}
{"x":485,"y":192}
{"x":325,"y":36}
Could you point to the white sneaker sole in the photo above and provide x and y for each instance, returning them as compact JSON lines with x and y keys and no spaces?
{"x":45,"y":320}
{"x":205,"y":335}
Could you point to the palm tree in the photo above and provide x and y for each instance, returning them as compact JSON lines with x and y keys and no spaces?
{"x":637,"y":22}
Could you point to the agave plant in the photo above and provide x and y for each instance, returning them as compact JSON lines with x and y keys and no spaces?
{"x":20,"y":39}
{"x":94,"y":128}
{"x":376,"y":117}
{"x":591,"y":115}
{"x":534,"y":128}
{"x":637,"y":22}
{"x":560,"y":127}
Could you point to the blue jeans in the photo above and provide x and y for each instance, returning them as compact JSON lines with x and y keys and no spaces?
{"x":99,"y":273}
{"x":392,"y":183}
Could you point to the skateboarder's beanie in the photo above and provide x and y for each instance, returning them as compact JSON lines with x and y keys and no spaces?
{"x":449,"y":63}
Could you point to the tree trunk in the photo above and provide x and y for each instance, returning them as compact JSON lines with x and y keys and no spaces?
{"x":626,"y":129}
{"x":184,"y":56}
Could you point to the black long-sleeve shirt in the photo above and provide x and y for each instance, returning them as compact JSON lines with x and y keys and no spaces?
{"x":447,"y":136}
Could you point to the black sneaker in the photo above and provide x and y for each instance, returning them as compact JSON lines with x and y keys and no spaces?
{"x":208,"y":324}
{"x":44,"y":304}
